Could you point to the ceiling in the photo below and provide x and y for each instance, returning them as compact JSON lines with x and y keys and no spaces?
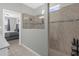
{"x":33,"y":5}
{"x":61,"y":4}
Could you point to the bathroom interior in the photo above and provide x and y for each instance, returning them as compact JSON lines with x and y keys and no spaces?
{"x":18,"y":26}
{"x":63,"y":29}
{"x":60,"y":25}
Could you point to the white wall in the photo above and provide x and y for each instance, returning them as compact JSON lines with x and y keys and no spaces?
{"x":36,"y":39}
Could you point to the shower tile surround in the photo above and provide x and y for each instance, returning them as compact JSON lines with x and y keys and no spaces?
{"x":61,"y":34}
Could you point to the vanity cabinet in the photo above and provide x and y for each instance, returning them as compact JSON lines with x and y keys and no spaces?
{"x":4,"y":51}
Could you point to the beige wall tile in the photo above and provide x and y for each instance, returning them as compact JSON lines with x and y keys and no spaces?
{"x":62,"y":34}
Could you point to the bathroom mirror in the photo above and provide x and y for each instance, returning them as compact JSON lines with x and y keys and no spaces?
{"x":33,"y":22}
{"x":36,"y":20}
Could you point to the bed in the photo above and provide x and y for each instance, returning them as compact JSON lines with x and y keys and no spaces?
{"x":11,"y":35}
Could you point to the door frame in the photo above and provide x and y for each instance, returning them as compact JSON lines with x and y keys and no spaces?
{"x":20,"y":20}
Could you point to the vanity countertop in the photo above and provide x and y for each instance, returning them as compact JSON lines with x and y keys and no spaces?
{"x":3,"y":43}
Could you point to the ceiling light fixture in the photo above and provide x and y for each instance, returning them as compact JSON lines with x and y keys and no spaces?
{"x":54,"y":8}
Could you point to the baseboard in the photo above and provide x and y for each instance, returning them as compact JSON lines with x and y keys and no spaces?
{"x":36,"y":54}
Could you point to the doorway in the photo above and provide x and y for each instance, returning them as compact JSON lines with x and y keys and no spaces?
{"x":11,"y":25}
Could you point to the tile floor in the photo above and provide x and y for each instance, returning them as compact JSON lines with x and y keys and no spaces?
{"x":16,"y":50}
